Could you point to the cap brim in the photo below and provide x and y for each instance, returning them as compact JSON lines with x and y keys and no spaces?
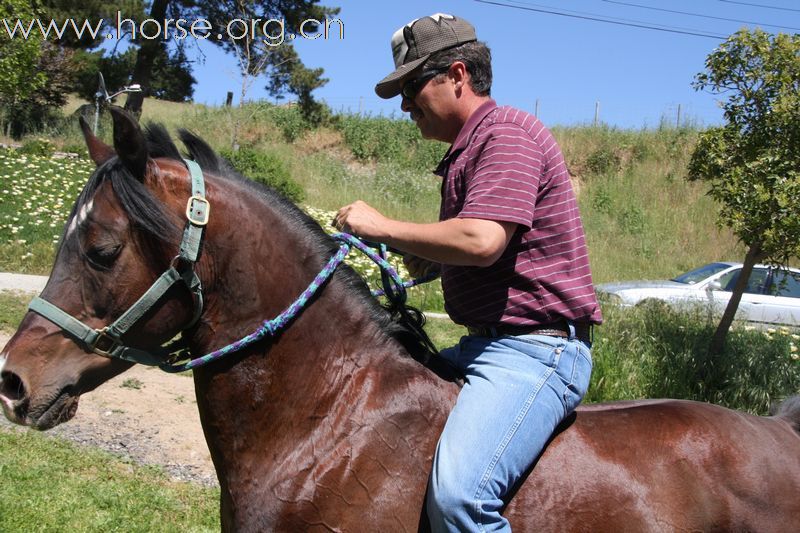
{"x":391,"y":85}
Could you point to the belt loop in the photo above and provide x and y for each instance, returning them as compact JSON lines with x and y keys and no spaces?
{"x":571,"y":329}
{"x":493,"y":331}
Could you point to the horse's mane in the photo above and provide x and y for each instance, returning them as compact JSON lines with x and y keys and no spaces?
{"x":151,"y":218}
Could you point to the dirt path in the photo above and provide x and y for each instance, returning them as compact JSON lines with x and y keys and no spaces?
{"x":145,"y":415}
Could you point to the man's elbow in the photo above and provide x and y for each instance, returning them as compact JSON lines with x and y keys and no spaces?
{"x":487,"y":252}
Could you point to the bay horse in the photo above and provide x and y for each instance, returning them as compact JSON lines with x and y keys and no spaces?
{"x":331,"y":424}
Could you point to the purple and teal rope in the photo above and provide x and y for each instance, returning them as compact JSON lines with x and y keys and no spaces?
{"x":272,"y":327}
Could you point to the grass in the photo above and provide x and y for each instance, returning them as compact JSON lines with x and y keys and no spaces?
{"x":13,"y":306}
{"x":52,"y":485}
{"x":655,"y":352}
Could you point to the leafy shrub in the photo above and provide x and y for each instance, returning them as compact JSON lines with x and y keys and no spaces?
{"x":603,"y":161}
{"x":656,"y":352}
{"x":388,"y":140}
{"x":632,"y":220}
{"x":601,"y":200}
{"x":290,"y":121}
{"x":40,"y":147}
{"x":76,"y":148}
{"x":265,"y":168}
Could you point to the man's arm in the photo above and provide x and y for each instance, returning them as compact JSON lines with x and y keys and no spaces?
{"x":457,"y":241}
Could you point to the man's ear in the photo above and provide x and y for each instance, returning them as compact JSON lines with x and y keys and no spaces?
{"x":458,"y":73}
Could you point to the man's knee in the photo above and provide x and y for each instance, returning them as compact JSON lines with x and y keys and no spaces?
{"x":448,"y":500}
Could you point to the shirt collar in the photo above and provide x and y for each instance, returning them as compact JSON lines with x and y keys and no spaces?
{"x":463,"y":137}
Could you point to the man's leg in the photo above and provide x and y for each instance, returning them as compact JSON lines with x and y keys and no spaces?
{"x":517,"y":390}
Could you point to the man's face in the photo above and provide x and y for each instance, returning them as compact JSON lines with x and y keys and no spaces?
{"x":429,"y":103}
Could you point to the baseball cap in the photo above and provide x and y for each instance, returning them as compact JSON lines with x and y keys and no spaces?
{"x":414,"y":43}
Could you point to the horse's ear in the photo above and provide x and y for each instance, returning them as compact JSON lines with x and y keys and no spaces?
{"x":129,"y":142}
{"x":99,"y":151}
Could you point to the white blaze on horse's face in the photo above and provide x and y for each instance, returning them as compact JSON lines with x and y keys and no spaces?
{"x":82,"y":215}
{"x":2,"y":361}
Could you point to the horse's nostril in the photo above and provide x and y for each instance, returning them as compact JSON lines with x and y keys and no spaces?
{"x":11,"y":386}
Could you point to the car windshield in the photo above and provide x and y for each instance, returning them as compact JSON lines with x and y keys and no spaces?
{"x":699,"y":274}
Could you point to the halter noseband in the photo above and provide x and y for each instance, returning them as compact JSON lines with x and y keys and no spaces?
{"x":107,"y":341}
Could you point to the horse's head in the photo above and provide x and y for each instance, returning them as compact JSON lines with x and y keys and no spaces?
{"x":122,"y":234}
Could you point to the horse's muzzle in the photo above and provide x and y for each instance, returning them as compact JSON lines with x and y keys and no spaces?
{"x":17,"y":406}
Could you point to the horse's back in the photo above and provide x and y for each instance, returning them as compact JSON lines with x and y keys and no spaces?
{"x":664,"y":465}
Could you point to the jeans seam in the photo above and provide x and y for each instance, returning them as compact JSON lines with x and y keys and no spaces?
{"x":504,"y":444}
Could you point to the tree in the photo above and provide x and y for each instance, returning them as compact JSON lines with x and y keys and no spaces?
{"x":220,"y":15}
{"x":752,"y":163}
{"x":172,"y":73}
{"x":19,"y":57}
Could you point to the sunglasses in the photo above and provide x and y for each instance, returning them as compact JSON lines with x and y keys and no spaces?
{"x":412,"y":87}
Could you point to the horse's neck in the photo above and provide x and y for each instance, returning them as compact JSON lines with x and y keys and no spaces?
{"x":284,"y":405}
{"x":329,"y":403}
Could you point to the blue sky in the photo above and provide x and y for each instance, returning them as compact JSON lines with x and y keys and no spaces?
{"x":639,"y":76}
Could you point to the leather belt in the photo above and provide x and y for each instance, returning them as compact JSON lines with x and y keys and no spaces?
{"x":583,"y":330}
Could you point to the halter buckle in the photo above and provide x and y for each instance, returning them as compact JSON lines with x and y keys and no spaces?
{"x":198,"y":214}
{"x":103,"y":344}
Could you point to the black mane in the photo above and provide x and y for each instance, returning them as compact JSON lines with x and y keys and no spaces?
{"x":151,"y":218}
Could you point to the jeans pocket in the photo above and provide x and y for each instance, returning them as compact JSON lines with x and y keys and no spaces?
{"x":543,"y":348}
{"x":578,"y":382}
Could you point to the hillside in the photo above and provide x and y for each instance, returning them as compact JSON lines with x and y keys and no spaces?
{"x":642,"y":218}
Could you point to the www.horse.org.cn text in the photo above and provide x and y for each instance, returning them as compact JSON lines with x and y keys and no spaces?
{"x":271,"y":31}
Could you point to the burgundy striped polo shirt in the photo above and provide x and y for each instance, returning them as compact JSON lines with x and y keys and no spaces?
{"x":506,"y":166}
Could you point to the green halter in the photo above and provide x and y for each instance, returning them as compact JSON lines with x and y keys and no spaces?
{"x":107,"y":341}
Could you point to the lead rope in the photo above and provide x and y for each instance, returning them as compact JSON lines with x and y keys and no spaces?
{"x":394,"y":289}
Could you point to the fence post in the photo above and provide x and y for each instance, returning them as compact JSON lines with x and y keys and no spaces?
{"x":596,"y":113}
{"x":678,"y":120}
{"x":536,"y":108}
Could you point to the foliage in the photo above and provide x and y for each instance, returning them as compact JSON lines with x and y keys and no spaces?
{"x":655,"y":352}
{"x":384,"y":139}
{"x":266,"y":168}
{"x":38,"y":147}
{"x":751,"y":163}
{"x":288,"y":74}
{"x":52,"y":485}
{"x":35,"y":76}
{"x":257,"y":51}
{"x":19,"y":57}
{"x":172,"y":77}
{"x":603,"y":161}
{"x":291,"y":122}
{"x":93,"y":10}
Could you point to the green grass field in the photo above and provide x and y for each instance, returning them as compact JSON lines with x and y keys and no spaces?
{"x":52,"y":485}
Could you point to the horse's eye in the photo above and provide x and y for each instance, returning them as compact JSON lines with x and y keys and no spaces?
{"x":103,"y":257}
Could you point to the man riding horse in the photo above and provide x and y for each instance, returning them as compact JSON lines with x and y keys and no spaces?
{"x":514,"y":264}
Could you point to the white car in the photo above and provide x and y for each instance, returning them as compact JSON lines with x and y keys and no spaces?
{"x":772,"y":296}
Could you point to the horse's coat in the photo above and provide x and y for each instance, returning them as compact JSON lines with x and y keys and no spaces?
{"x":331,"y":425}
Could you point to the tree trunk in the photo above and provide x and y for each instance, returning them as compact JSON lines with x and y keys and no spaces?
{"x":145,"y":58}
{"x":718,"y":340}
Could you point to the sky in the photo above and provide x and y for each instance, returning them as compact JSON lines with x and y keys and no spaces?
{"x":568,"y":67}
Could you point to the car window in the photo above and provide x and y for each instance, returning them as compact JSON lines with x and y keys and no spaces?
{"x":699,"y":274}
{"x":755,"y":285}
{"x":785,"y":284}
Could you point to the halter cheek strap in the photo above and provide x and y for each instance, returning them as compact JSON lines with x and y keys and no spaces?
{"x":107,"y":341}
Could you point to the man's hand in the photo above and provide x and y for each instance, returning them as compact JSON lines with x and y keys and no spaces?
{"x":419,"y":267}
{"x":363,"y":220}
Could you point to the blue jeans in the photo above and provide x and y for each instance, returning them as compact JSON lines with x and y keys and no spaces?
{"x":517,"y":390}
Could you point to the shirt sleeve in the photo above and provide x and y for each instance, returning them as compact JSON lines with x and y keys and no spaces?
{"x":504,"y":184}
